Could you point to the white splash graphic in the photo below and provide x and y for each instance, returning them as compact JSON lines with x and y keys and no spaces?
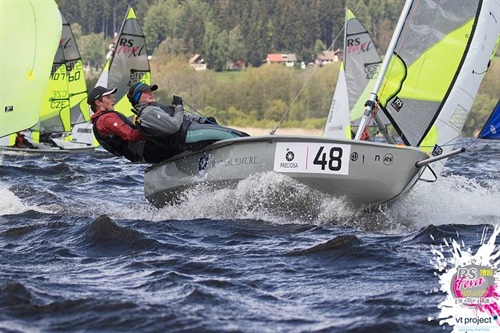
{"x":472,"y":284}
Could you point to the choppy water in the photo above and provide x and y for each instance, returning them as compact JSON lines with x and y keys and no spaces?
{"x":82,"y":251}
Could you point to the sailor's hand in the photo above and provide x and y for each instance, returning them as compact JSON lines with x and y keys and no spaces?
{"x":177,"y":100}
{"x":211,"y":120}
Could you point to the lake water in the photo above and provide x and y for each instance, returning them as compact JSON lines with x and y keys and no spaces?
{"x":82,"y":251}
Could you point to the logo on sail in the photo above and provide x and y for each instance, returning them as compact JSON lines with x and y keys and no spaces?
{"x":127,"y":46}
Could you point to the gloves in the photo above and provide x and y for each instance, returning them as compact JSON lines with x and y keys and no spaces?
{"x":211,"y":120}
{"x":177,"y":100}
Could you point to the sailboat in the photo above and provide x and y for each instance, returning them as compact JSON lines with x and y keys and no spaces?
{"x":63,"y":103}
{"x":431,"y":72}
{"x":25,"y":67}
{"x":127,"y":65}
{"x":358,"y":72}
{"x":491,"y":128}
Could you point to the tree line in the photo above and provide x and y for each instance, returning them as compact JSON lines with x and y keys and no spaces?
{"x":265,"y":96}
{"x":223,"y":30}
{"x":228,"y":30}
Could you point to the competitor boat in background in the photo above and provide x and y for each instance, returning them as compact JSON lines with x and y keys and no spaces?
{"x":127,"y":65}
{"x":358,"y":71}
{"x":491,"y":129}
{"x":25,"y":67}
{"x":64,"y":102}
{"x":432,"y":71}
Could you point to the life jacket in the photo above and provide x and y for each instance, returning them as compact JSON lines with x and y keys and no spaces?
{"x":113,"y":143}
{"x":174,"y":141}
{"x":191,"y":135}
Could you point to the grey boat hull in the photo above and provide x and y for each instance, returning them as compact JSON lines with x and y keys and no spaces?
{"x":366,"y":173}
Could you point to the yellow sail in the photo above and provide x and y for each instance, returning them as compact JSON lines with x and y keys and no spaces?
{"x":30,"y":33}
{"x":65,"y":97}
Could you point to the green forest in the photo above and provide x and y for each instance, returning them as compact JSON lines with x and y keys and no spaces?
{"x":226,"y":30}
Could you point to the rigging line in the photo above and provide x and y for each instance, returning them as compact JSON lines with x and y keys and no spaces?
{"x":195,"y":111}
{"x":470,"y":144}
{"x":356,"y":7}
{"x":198,"y":113}
{"x":308,"y":79}
{"x":293,"y":102}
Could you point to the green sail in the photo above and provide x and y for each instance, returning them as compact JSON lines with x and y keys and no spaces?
{"x":64,"y":102}
{"x":25,"y":66}
{"x":417,"y":85}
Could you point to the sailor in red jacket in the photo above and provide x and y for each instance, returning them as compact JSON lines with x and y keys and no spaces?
{"x":117,"y":134}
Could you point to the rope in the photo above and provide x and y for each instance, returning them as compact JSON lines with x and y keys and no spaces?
{"x":195,"y":112}
{"x":309,"y":78}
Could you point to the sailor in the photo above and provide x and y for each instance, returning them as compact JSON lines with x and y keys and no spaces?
{"x":168,"y":126}
{"x":22,"y":142}
{"x":117,"y":134}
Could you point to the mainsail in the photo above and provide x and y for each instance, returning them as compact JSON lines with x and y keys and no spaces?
{"x":491,"y":129}
{"x":439,"y":61}
{"x":25,"y":66}
{"x":356,"y":79}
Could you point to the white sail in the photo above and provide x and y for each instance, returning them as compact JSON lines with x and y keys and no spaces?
{"x":337,"y":123}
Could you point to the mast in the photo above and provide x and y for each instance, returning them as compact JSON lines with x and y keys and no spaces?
{"x":370,"y":103}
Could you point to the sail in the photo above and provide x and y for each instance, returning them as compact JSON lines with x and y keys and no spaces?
{"x":65,"y":98}
{"x":491,"y":129}
{"x":356,"y":79}
{"x":337,"y":123}
{"x":127,"y":65}
{"x":129,"y":62}
{"x":438,"y":63}
{"x":30,"y":33}
{"x":362,"y":64}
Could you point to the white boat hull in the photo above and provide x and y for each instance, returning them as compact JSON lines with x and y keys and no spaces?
{"x":42,"y":148}
{"x":366,"y":173}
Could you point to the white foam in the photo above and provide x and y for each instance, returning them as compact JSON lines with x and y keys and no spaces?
{"x":9,"y":203}
{"x":270,"y":197}
{"x":450,"y":200}
{"x":278,"y":199}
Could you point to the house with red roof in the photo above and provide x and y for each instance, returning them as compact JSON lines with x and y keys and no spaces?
{"x":289,"y":59}
{"x":197,"y":62}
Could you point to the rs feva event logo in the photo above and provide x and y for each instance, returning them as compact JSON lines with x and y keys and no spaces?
{"x":471,"y":282}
